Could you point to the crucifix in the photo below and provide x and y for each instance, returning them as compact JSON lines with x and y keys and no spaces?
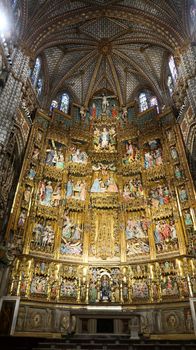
{"x":105,"y":102}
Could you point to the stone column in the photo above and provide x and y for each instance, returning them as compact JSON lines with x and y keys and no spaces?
{"x":11,"y":96}
{"x":187,"y":68}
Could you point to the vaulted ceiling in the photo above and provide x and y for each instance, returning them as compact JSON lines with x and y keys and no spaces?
{"x":88,"y":46}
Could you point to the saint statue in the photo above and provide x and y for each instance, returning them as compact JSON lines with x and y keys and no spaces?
{"x":22,"y":218}
{"x":60,"y":160}
{"x":27,"y":194}
{"x":187,"y":218}
{"x":69,"y":191}
{"x":96,"y":186}
{"x":35,"y":154}
{"x":105,"y":289}
{"x":93,"y":111}
{"x":82,"y":113}
{"x":48,"y":194}
{"x":31,"y":173}
{"x":124,"y":113}
{"x":183,"y":194}
{"x":50,"y":157}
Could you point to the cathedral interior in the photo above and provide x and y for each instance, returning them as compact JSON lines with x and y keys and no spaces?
{"x":97,"y":164}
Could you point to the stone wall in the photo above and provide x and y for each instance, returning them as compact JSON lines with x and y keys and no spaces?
{"x":59,"y":319}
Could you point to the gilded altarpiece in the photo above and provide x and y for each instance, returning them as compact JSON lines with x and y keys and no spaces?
{"x":105,"y":213}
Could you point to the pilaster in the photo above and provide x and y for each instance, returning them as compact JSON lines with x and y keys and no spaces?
{"x":11,"y":95}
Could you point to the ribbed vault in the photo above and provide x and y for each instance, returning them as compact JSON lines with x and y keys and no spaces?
{"x":90,"y":46}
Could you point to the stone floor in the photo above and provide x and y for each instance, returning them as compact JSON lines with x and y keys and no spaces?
{"x":101,"y":342}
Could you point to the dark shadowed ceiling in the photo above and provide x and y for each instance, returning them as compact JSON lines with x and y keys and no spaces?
{"x":88,"y":46}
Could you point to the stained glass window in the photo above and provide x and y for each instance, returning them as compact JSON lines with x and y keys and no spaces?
{"x":39,"y":86}
{"x":173,"y":69}
{"x":193,"y":12}
{"x":143,"y":101}
{"x":36,"y":71}
{"x":147,"y":100}
{"x":170,"y":84}
{"x":64,"y":104}
{"x":154,"y":102}
{"x":13,"y":3}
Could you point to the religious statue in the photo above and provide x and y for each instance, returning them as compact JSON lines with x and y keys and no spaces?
{"x":188,"y":319}
{"x":174,"y":153}
{"x":43,"y":237}
{"x":27,"y":195}
{"x":38,"y":285}
{"x":83,"y":191}
{"x":105,"y":139}
{"x":159,"y":196}
{"x":82,"y":113}
{"x":35,"y":155}
{"x":183,"y":194}
{"x":46,"y":195}
{"x":178,"y":172}
{"x":76,"y":190}
{"x":170,"y":135}
{"x":133,"y":189}
{"x":136,"y":229}
{"x":93,"y":111}
{"x":96,"y":186}
{"x":114,"y":112}
{"x":111,"y":185}
{"x":136,"y":233}
{"x":22,"y":218}
{"x":105,"y":290}
{"x":50,"y":156}
{"x":78,"y":156}
{"x":60,"y":161}
{"x":56,"y":195}
{"x":165,"y":235}
{"x":38,"y":233}
{"x":47,"y":238}
{"x":71,"y":236}
{"x":140,"y":290}
{"x":153,"y":154}
{"x":124,"y":113}
{"x":92,"y":292}
{"x":39,"y":136}
{"x":112,"y":134}
{"x":67,"y":225}
{"x":187,"y":218}
{"x":101,"y":185}
{"x":132,"y":153}
{"x":169,"y":286}
{"x":69,"y":188}
{"x":104,"y":102}
{"x":31,"y":174}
